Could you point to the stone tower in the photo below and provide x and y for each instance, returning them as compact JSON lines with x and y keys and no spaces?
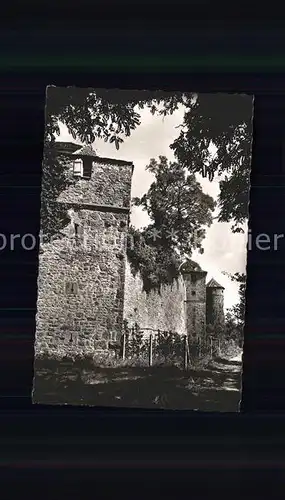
{"x":82,"y":270}
{"x":195,"y":301}
{"x":215,"y":303}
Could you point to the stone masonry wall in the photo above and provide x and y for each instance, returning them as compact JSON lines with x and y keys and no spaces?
{"x":82,"y":270}
{"x":110,"y":184}
{"x":196,"y":319}
{"x":215,"y":306}
{"x":96,"y":266}
{"x":164,"y":311}
{"x":195,"y":283}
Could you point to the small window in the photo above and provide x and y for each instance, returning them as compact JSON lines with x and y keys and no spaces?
{"x":193,"y":293}
{"x":71,"y":288}
{"x":82,"y":168}
{"x":70,"y":337}
{"x":113,"y":336}
{"x":77,"y":232}
{"x":78,"y":168}
{"x":87,"y":169}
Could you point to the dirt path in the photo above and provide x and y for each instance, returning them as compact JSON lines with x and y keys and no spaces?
{"x":215,"y":388}
{"x":219,"y":386}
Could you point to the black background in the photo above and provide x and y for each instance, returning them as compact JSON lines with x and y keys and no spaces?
{"x":129,"y":452}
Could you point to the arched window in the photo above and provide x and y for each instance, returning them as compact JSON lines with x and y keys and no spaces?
{"x":78,"y":167}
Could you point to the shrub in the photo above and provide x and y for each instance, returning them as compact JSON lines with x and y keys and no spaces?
{"x":136,"y":345}
{"x":168,"y":347}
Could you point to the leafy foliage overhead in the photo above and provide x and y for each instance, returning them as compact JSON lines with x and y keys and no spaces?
{"x":225,"y":122}
{"x":108,"y":115}
{"x":222,"y":120}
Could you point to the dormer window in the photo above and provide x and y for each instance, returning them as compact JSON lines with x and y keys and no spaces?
{"x":82,"y":168}
{"x":87,"y":168}
{"x":78,"y":168}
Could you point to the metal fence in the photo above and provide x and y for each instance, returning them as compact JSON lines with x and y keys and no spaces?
{"x":153,"y":345}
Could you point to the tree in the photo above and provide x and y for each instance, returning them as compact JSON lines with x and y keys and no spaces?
{"x":178,"y":210}
{"x":219,"y":119}
{"x":239,"y":309}
{"x":56,"y":177}
{"x":232,"y":331}
{"x":235,"y":316}
{"x":105,"y":114}
{"x":224,"y":121}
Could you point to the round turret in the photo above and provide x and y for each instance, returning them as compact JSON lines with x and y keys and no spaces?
{"x":215,"y":303}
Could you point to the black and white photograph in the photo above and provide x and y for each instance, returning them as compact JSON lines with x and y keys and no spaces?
{"x":143,"y":249}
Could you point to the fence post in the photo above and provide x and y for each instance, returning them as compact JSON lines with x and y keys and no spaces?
{"x":219,"y":347}
{"x":185,"y":352}
{"x":124,"y":347}
{"x":211,"y":346}
{"x":150,"y":349}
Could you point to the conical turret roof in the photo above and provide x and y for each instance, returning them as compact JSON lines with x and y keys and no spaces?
{"x":214,"y":284}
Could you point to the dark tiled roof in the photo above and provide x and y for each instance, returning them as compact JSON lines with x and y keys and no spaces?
{"x":76,"y":150}
{"x":114,"y":161}
{"x":214,"y":284}
{"x":68,"y":147}
{"x":85,"y":151}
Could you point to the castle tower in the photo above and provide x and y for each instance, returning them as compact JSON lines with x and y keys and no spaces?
{"x":195,"y":298}
{"x":82,"y":270}
{"x":215,"y":303}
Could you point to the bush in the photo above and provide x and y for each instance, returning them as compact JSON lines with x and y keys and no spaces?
{"x":169,"y":346}
{"x":136,"y":345}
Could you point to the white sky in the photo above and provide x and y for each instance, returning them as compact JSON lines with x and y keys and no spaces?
{"x":223,"y":250}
